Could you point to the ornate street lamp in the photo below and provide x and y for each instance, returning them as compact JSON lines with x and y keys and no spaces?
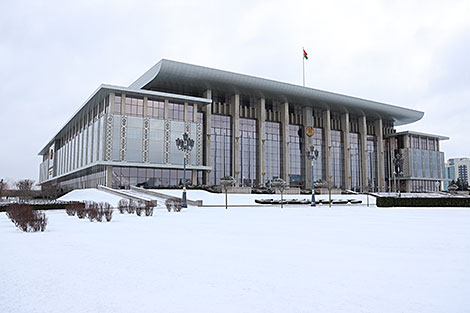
{"x":186,"y":145}
{"x":312,"y":155}
{"x":227,"y":181}
{"x":398,"y":162}
{"x":281,"y":185}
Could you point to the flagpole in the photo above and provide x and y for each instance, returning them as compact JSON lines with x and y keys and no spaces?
{"x":303,"y":65}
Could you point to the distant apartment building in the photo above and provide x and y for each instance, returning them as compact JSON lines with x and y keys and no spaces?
{"x":457,"y":168}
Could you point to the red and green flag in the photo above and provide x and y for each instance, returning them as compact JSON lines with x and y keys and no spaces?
{"x":305,"y":54}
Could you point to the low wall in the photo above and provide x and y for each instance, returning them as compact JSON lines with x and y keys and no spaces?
{"x":152,"y":192}
{"x":44,"y":205}
{"x":290,"y":191}
{"x":239,"y":190}
{"x":324,"y":191}
{"x":123,"y":194}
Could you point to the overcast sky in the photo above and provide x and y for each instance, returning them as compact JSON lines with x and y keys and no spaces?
{"x":54,"y":54}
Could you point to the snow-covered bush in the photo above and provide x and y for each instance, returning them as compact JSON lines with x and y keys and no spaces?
{"x":106,"y":210}
{"x":98,"y":212}
{"x":27,"y":219}
{"x":131,"y":207}
{"x":122,"y":206}
{"x":140,"y":207}
{"x":91,"y":209}
{"x":81,"y":213}
{"x":174,"y":204}
{"x":148,"y":209}
{"x":71,"y":209}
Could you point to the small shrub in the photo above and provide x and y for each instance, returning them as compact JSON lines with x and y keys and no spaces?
{"x":106,"y":210}
{"x":140,"y":207}
{"x":81,"y":213}
{"x":27,"y":219}
{"x":122,"y":206}
{"x":71,"y":209}
{"x":91,"y":209}
{"x":148,"y":209}
{"x":131,"y":207}
{"x":177,"y":205}
{"x":169,"y":204}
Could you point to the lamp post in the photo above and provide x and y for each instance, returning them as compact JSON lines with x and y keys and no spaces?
{"x":398,"y":161}
{"x":312,"y":155}
{"x":186,"y":145}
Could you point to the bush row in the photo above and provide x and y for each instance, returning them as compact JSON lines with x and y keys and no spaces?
{"x":174,"y":204}
{"x":137,"y":207}
{"x":422,"y":202}
{"x":99,"y":212}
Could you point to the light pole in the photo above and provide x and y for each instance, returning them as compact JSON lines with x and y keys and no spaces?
{"x":398,"y":161}
{"x":186,"y":145}
{"x":312,"y":155}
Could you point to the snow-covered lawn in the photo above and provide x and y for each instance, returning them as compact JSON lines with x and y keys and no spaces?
{"x":245,"y":259}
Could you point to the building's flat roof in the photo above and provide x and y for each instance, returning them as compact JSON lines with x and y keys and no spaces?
{"x":104,"y":90}
{"x":409,"y":132}
{"x":172,"y":75}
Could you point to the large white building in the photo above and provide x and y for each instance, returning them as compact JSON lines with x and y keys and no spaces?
{"x":251,"y":128}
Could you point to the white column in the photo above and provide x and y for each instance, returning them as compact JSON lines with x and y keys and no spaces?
{"x":327,"y":136}
{"x":346,"y":151}
{"x":307,"y":115}
{"x":261,"y":151}
{"x":285,"y":168}
{"x":207,"y":131}
{"x":236,"y":138}
{"x":363,"y":133}
{"x":380,"y":154}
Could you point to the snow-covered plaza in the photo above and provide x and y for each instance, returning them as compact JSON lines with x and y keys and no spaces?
{"x":349,"y":258}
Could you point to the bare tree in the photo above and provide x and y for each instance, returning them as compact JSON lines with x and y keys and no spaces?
{"x":24,"y":187}
{"x":3,"y":186}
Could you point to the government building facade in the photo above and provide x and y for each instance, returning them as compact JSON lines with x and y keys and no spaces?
{"x":251,"y":128}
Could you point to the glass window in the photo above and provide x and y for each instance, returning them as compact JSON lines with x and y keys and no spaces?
{"x":337,"y":159}
{"x":221,"y":147}
{"x":296,"y":152}
{"x":117,"y":104}
{"x":248,"y":148}
{"x":272,"y":151}
{"x":372,"y":182}
{"x":175,"y":111}
{"x":423,"y":143}
{"x":134,"y":106}
{"x":200,"y":117}
{"x":190,"y":113}
{"x":156,"y":108}
{"x":356,"y":161}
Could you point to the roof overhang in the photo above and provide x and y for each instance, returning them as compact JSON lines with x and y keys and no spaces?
{"x":413,"y":133}
{"x":172,"y":75}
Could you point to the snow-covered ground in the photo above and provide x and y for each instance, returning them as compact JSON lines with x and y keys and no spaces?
{"x":91,"y":194}
{"x":245,"y":259}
